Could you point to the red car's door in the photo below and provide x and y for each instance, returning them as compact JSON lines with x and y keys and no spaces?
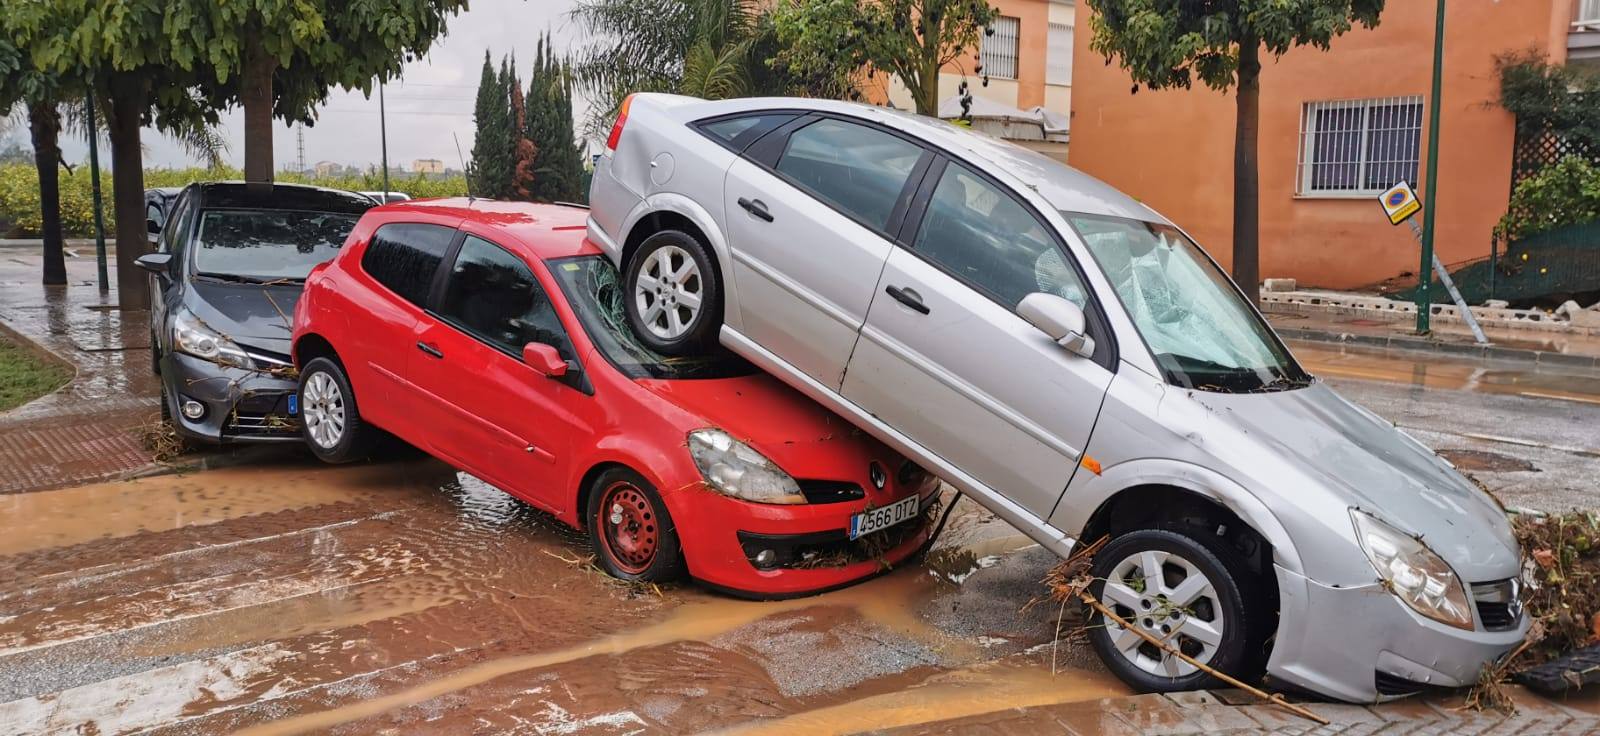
{"x":491,"y":413}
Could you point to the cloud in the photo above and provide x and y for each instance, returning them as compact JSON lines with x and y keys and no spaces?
{"x":427,"y":109}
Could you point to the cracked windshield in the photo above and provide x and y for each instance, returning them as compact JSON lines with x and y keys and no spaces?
{"x":1200,"y":332}
{"x":267,"y":245}
{"x":593,"y":287}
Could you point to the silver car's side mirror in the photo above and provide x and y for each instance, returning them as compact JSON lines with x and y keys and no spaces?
{"x":1062,"y":320}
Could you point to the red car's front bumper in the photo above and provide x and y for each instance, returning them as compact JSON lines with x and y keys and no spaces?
{"x":721,"y":537}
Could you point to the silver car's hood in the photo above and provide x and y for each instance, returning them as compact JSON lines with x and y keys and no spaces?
{"x":1365,"y":462}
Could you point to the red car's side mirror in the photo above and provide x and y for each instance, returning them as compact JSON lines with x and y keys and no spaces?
{"x":544,"y":359}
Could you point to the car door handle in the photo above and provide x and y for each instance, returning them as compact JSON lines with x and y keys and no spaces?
{"x":756,"y":207}
{"x":907,"y":297}
{"x":431,"y":350}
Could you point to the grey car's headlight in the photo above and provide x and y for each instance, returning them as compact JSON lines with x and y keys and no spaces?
{"x":734,"y":468}
{"x":192,"y":336}
{"x":1416,"y":575}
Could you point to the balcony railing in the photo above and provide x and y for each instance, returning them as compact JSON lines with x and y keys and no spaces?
{"x":1588,"y":15}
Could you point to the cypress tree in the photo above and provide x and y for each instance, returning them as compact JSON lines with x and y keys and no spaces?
{"x":491,"y":116}
{"x":560,"y":164}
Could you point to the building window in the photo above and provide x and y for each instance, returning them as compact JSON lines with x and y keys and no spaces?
{"x":1588,"y":12}
{"x":1058,"y":59}
{"x":999,"y":54}
{"x":1359,"y":147}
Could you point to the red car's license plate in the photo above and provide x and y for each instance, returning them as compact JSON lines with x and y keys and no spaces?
{"x":873,"y":520}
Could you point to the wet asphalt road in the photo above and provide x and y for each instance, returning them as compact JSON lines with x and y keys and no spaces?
{"x":402,"y":597}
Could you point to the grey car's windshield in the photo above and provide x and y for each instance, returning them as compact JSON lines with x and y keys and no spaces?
{"x":1202,"y":333}
{"x":594,"y":290}
{"x":267,"y":245}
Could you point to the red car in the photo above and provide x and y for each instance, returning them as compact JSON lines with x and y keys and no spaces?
{"x":493,"y":336}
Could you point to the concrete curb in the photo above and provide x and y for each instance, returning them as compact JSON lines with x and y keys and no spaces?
{"x":1413,"y":342}
{"x":213,"y":459}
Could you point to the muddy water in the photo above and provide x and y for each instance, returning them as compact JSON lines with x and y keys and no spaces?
{"x":1433,"y":371}
{"x":406,"y":598}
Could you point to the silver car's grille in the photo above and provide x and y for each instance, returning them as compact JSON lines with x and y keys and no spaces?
{"x":1499,"y":604}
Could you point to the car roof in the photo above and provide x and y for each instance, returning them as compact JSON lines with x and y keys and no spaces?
{"x":236,"y":194}
{"x":544,"y":230}
{"x":1063,"y":186}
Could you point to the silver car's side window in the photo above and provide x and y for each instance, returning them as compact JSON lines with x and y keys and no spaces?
{"x":854,"y":168}
{"x":987,"y":238}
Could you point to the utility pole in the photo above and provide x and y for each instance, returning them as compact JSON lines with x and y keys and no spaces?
{"x":383,"y":141}
{"x":94,"y":187}
{"x":1431,"y":194}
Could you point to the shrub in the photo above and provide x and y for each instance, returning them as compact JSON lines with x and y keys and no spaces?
{"x":1567,"y":193}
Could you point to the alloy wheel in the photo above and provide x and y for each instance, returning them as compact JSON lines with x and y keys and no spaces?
{"x":669,"y":292}
{"x":323,"y":410}
{"x":629,"y":528}
{"x":1169,"y":598}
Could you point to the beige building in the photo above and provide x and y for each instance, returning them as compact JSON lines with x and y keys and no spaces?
{"x":427,"y":166}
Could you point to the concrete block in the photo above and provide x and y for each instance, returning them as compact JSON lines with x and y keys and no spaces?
{"x":1278,"y":285}
{"x":1586,"y":318}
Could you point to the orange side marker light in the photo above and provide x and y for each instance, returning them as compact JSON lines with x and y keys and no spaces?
{"x":1090,"y":464}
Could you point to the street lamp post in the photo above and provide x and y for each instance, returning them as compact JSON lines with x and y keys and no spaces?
{"x":383,"y":142}
{"x":1430,"y":193}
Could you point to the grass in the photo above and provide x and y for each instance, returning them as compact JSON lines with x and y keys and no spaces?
{"x":24,"y":376}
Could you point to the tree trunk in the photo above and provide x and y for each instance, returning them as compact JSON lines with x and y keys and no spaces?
{"x":256,"y":92}
{"x":128,"y":102}
{"x":1246,"y":174}
{"x":46,"y":128}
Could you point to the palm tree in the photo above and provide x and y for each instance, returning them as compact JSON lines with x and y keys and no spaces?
{"x":703,"y":48}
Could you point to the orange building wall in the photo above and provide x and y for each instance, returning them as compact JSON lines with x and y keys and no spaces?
{"x":1174,"y":149}
{"x":1032,"y":47}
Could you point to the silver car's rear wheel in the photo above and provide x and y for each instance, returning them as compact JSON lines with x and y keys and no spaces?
{"x":323,"y":411}
{"x":669,"y":292}
{"x":1169,"y":598}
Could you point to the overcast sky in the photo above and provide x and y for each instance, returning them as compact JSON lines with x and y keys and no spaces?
{"x":432,"y":100}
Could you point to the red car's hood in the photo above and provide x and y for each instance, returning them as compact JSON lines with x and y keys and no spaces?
{"x":801,"y":436}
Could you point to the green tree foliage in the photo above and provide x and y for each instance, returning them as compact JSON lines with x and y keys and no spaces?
{"x":24,"y":87}
{"x":491,"y":161}
{"x":828,"y":41}
{"x":559,"y":170}
{"x":1556,"y":99}
{"x":707,"y":48}
{"x":1567,"y":193}
{"x":1167,"y":44}
{"x":282,"y":57}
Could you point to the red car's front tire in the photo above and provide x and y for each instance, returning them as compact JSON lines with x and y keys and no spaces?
{"x":633,"y":535}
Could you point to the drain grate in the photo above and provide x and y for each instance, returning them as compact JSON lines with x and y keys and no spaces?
{"x":1576,"y":669}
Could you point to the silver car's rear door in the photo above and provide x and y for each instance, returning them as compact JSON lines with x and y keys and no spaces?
{"x":809,"y":211}
{"x":945,"y":359}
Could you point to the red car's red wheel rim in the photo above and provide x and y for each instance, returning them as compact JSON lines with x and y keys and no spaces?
{"x":628,"y":527}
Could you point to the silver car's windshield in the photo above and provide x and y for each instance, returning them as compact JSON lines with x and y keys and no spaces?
{"x":1203,"y":335}
{"x":267,"y":245}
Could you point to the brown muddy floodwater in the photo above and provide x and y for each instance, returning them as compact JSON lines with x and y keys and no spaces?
{"x":403,"y":597}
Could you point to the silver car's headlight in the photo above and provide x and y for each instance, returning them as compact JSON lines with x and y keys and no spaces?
{"x":1416,"y":575}
{"x":733,"y":468}
{"x":192,"y":336}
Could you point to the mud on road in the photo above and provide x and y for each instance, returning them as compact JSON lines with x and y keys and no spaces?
{"x":404,"y":597}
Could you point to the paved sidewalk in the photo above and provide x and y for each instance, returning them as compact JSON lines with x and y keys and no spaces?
{"x":1234,"y":712}
{"x":88,"y":430}
{"x":1554,"y":348}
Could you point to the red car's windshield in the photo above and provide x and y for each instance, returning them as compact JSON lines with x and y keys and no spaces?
{"x":594,"y":289}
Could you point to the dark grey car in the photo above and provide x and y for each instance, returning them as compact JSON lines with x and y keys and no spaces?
{"x":228,"y":270}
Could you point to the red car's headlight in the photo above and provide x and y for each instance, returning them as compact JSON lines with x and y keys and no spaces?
{"x":735,"y":469}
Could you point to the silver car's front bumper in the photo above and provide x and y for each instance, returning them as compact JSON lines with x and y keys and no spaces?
{"x":1335,"y":641}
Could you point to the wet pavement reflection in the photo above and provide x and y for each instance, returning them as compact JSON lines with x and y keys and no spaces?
{"x":405,"y":597}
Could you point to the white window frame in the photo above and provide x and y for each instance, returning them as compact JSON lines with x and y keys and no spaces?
{"x":1587,"y":14}
{"x":1058,"y":54}
{"x":1306,"y":156}
{"x":1000,"y":52}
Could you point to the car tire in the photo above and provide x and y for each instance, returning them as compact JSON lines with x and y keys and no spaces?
{"x":633,"y":534}
{"x":155,"y":355}
{"x":1229,"y":610}
{"x":330,"y":421}
{"x":670,"y":269}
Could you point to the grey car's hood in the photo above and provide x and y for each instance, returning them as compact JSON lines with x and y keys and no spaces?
{"x":1365,"y":462}
{"x":253,"y":315}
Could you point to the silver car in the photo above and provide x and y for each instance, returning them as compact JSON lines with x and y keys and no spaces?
{"x":1073,"y":361}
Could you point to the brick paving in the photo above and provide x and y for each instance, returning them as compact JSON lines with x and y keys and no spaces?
{"x":1212,"y":713}
{"x":87,"y":430}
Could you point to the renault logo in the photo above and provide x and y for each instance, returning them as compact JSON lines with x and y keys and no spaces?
{"x":876,"y":474}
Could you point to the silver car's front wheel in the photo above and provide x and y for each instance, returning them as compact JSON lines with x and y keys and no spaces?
{"x":669,"y":292}
{"x":1172,"y":600}
{"x":323,"y":410}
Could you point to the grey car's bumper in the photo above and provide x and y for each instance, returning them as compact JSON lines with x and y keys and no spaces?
{"x":1337,"y":642}
{"x":241,"y":405}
